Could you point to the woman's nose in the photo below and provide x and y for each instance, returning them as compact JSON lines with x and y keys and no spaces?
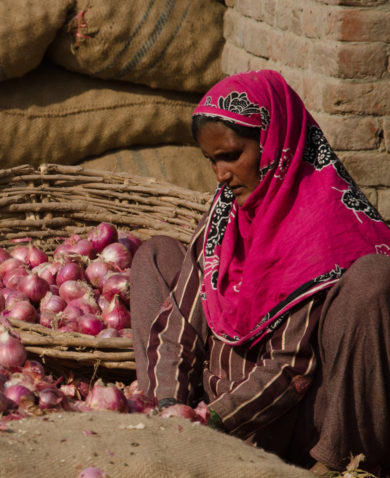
{"x":222,"y":171}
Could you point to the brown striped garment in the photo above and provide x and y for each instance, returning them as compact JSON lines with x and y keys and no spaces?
{"x":248,"y":388}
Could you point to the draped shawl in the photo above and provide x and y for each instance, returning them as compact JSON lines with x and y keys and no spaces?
{"x":300,"y":229}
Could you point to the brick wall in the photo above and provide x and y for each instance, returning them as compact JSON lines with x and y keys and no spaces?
{"x":335,"y":54}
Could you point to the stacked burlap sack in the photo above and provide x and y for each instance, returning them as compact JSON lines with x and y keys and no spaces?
{"x":82,"y":78}
{"x":131,"y":445}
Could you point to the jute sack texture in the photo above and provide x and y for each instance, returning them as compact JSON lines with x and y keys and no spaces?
{"x":170,"y":44}
{"x":51,"y":115}
{"x":131,"y":445}
{"x":184,"y":166}
{"x":27,"y":28}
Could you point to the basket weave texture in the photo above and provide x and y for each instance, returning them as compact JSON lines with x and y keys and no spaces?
{"x":47,"y":204}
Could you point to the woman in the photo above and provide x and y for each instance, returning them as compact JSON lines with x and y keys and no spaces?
{"x":279,"y":314}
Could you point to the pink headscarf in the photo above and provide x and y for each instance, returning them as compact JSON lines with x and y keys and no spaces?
{"x":300,"y":229}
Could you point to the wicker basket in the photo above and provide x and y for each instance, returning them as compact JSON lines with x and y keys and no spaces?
{"x":47,"y":204}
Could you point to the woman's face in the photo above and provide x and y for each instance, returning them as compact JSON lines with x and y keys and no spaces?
{"x":234,"y":159}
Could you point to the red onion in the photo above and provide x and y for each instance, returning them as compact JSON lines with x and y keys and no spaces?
{"x":2,"y":303}
{"x":72,"y":289}
{"x":116,"y":315}
{"x":48,"y":318}
{"x":126,"y":332}
{"x":179,"y":410}
{"x":117,"y":284}
{"x":106,"y":397}
{"x":70,"y":271}
{"x":22,"y":310}
{"x":19,"y":378}
{"x":34,"y":287}
{"x":83,"y":248}
{"x":54,"y":289}
{"x":82,"y":385}
{"x":52,"y":302}
{"x":29,"y":255}
{"x":3,"y":402}
{"x":34,"y":369}
{"x":96,"y":271}
{"x":50,"y":398}
{"x":11,"y":279}
{"x":90,"y":324}
{"x":108,"y":333}
{"x":103,"y":235}
{"x":102,"y":302}
{"x":202,"y":413}
{"x":92,"y":472}
{"x":117,"y":255}
{"x":12,"y":352}
{"x":8,"y":265}
{"x":18,"y":395}
{"x":12,"y":296}
{"x":128,"y":240}
{"x":87,"y":304}
{"x":47,"y":271}
{"x":67,"y":323}
{"x":140,"y":403}
{"x":4,"y":255}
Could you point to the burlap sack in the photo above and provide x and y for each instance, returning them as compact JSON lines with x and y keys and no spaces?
{"x":184,"y":166}
{"x":26,"y":30}
{"x":54,"y":116}
{"x":171,"y":44}
{"x":131,"y":445}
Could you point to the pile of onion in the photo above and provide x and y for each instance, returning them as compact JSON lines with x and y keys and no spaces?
{"x":84,"y":287}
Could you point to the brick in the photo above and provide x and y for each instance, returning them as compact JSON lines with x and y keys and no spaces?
{"x":268,"y":11}
{"x":371,"y":194}
{"x":324,"y":57}
{"x":312,"y":91}
{"x":257,"y":38}
{"x":258,"y":63}
{"x":386,"y":133}
{"x":355,"y":3}
{"x":348,"y":60}
{"x":234,"y":59}
{"x":289,"y":49}
{"x":359,"y":24}
{"x":341,"y":96}
{"x":289,"y":16}
{"x":368,"y":168}
{"x":362,"y":61}
{"x":384,"y":203}
{"x":350,"y":133}
{"x":234,"y":27}
{"x":250,"y":8}
{"x":313,"y":20}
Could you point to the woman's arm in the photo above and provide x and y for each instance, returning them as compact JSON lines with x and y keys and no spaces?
{"x":274,"y":376}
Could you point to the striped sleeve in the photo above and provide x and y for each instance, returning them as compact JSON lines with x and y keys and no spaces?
{"x":273,"y":377}
{"x":177,"y":343}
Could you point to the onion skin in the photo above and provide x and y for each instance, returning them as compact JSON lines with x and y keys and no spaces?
{"x":117,"y":255}
{"x":103,"y":235}
{"x":128,"y":240}
{"x":72,"y":289}
{"x":117,"y":284}
{"x":22,"y":310}
{"x":108,"y":333}
{"x":8,"y":265}
{"x":117,"y":315}
{"x":34,"y":287}
{"x":12,"y":352}
{"x":4,"y":255}
{"x":179,"y":410}
{"x":18,"y":394}
{"x":106,"y":397}
{"x":69,"y":271}
{"x":96,"y":271}
{"x":92,"y":472}
{"x":50,"y":398}
{"x":11,"y":279}
{"x":52,"y":302}
{"x":90,"y":324}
